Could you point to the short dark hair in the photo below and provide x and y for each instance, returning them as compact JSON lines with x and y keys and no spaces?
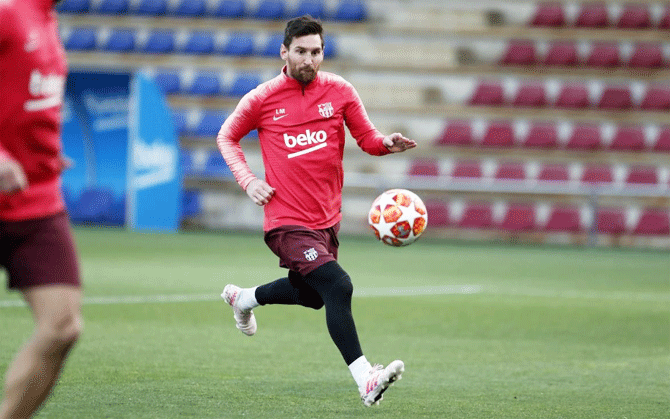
{"x":301,"y":26}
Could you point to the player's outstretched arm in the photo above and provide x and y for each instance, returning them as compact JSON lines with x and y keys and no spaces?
{"x":396,"y":143}
{"x":12,"y":176}
{"x":259,"y":191}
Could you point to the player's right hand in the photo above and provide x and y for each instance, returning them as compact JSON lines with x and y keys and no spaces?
{"x":12,"y":176}
{"x":260,"y":192}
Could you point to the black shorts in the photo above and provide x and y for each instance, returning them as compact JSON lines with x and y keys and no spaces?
{"x":301,"y":249}
{"x":39,"y":252}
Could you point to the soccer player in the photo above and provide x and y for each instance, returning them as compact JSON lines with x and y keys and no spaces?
{"x":36,"y":246}
{"x":300,"y":117}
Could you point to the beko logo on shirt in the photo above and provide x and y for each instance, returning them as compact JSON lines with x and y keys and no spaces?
{"x":317,"y":138}
{"x":50,"y":87}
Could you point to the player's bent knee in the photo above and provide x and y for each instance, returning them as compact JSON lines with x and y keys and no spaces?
{"x":63,"y":332}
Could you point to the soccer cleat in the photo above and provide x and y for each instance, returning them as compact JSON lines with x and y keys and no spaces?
{"x":379,"y":380}
{"x":244,"y":319}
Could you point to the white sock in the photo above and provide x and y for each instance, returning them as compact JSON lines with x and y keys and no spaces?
{"x":247,"y":298}
{"x":358,"y":369}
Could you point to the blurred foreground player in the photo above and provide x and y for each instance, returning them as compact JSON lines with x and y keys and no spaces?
{"x":300,"y":117}
{"x":36,"y":246}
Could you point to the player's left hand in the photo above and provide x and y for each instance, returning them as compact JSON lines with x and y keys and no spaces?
{"x":396,"y":143}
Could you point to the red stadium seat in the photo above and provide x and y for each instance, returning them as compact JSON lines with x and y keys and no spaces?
{"x":653,"y":222}
{"x":530,"y":96}
{"x":554,"y":172}
{"x":562,"y":54}
{"x":488,"y":93}
{"x":646,"y":55}
{"x":604,"y":54}
{"x":510,"y":171}
{"x":438,"y":213}
{"x":657,"y":99}
{"x":610,"y":221}
{"x":634,"y":16}
{"x":424,"y":167}
{"x":520,"y":52}
{"x":542,"y":135}
{"x":593,"y":15}
{"x":597,"y":174}
{"x":665,"y":20}
{"x":477,"y":215}
{"x":615,"y":98}
{"x":642,"y":175}
{"x":549,"y":14}
{"x":564,"y":219}
{"x":456,"y":133}
{"x":585,"y":137}
{"x":662,"y":143}
{"x":519,"y":217}
{"x":628,"y":138}
{"x":498,"y":134}
{"x":467,"y":169}
{"x":573,"y":96}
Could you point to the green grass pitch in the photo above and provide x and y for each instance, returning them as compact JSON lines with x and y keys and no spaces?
{"x":485,"y":331}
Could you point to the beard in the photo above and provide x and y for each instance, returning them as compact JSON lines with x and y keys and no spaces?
{"x":304,"y":75}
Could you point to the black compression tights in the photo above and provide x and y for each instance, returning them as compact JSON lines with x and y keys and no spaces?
{"x":327,"y":285}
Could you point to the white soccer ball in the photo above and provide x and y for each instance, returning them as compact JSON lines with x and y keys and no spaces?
{"x":398,"y":217}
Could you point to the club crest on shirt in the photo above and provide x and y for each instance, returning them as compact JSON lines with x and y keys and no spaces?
{"x":311,"y":254}
{"x":326,"y":109}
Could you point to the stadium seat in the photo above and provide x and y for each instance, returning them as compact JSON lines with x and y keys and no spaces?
{"x":657,"y":98}
{"x":549,"y":14}
{"x":205,"y":83}
{"x":240,"y":44}
{"x":563,"y":219}
{"x":488,"y":93}
{"x":330,"y":47}
{"x":642,"y":175}
{"x":610,"y":221}
{"x":243,"y":84}
{"x":647,"y":55}
{"x":179,"y":121}
{"x":562,"y":54}
{"x":530,"y":96}
{"x":314,"y":8}
{"x":615,"y":98}
{"x":92,"y":205}
{"x":498,"y":134}
{"x":152,"y":7}
{"x":216,"y":166}
{"x":584,"y":137}
{"x":595,"y":174}
{"x":270,"y":10}
{"x":190,"y":8}
{"x":520,"y":52}
{"x":438,"y":213}
{"x":662,"y":143}
{"x":510,"y":171}
{"x":554,"y":172}
{"x":190,"y":203}
{"x":477,"y":215}
{"x":74,"y":6}
{"x":628,"y":138}
{"x":116,"y":214}
{"x":81,"y":39}
{"x":424,"y":167}
{"x":456,"y":133}
{"x":573,"y":96}
{"x":634,"y":16}
{"x":519,"y":217}
{"x":210,"y":124}
{"x":120,"y":40}
{"x":351,"y":11}
{"x":160,"y":41}
{"x":168,"y":81}
{"x":653,"y":222}
{"x":467,"y":169}
{"x":541,"y":135}
{"x":604,"y":54}
{"x":199,"y":43}
{"x":592,"y":15}
{"x":665,"y":19}
{"x":230,"y":9}
{"x":273,"y":45}
{"x":112,"y":7}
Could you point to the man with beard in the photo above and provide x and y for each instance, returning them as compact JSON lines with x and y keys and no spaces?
{"x":37,"y":250}
{"x":300,"y":117}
